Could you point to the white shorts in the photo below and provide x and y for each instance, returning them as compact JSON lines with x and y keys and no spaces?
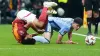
{"x":26,"y":16}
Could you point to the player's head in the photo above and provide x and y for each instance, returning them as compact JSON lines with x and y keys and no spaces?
{"x":77,"y":23}
{"x":29,"y":41}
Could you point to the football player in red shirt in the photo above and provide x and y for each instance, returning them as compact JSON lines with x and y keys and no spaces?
{"x":26,"y":19}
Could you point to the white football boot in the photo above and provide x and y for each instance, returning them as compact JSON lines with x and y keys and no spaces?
{"x":52,"y":12}
{"x":49,"y":4}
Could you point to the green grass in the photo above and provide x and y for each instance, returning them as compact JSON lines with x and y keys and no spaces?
{"x":9,"y":46}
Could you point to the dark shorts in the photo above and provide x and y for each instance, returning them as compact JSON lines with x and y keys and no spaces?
{"x":18,"y":30}
{"x":92,"y":5}
{"x":93,"y":20}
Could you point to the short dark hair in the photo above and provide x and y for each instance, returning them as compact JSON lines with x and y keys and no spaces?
{"x":78,"y":20}
{"x":28,"y":41}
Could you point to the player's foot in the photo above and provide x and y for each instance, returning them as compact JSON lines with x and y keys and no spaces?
{"x":49,"y":4}
{"x":89,"y":33}
{"x":52,"y":12}
{"x":95,"y":33}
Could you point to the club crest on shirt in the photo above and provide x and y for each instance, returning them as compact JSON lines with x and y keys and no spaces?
{"x":21,"y":32}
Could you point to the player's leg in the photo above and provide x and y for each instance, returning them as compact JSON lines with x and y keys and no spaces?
{"x":46,"y":35}
{"x":43,"y":19}
{"x":96,"y":22}
{"x":89,"y":20}
{"x":41,"y":39}
{"x":89,"y":26}
{"x":48,"y":32}
{"x":88,"y":6}
{"x":96,"y":29}
{"x":96,"y":15}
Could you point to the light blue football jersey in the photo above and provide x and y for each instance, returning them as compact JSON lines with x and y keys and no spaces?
{"x":62,"y":25}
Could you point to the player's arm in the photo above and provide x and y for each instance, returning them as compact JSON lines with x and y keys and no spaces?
{"x":70,"y":38}
{"x":34,"y":34}
{"x":70,"y":35}
{"x":34,"y":27}
{"x":59,"y":39}
{"x":40,"y":31}
{"x":62,"y":32}
{"x":28,"y":25}
{"x":30,"y":36}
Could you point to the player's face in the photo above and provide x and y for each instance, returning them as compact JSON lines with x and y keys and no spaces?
{"x":76,"y":26}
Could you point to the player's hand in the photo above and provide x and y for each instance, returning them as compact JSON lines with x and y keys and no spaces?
{"x":70,"y":42}
{"x":28,"y":36}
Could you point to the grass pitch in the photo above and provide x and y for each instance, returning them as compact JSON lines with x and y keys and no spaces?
{"x":9,"y":46}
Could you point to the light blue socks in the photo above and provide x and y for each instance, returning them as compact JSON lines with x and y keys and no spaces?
{"x":41,"y":39}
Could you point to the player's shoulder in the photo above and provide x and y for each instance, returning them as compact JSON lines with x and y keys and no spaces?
{"x":69,"y":19}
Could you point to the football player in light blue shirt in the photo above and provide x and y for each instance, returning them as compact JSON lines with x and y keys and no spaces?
{"x":61,"y":25}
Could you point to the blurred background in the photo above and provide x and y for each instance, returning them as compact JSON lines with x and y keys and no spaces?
{"x":65,"y":8}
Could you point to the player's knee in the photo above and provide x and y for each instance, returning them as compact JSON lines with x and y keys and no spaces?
{"x":89,"y":14}
{"x":95,"y":14}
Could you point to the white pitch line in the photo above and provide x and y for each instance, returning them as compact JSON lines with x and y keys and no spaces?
{"x":83,"y":35}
